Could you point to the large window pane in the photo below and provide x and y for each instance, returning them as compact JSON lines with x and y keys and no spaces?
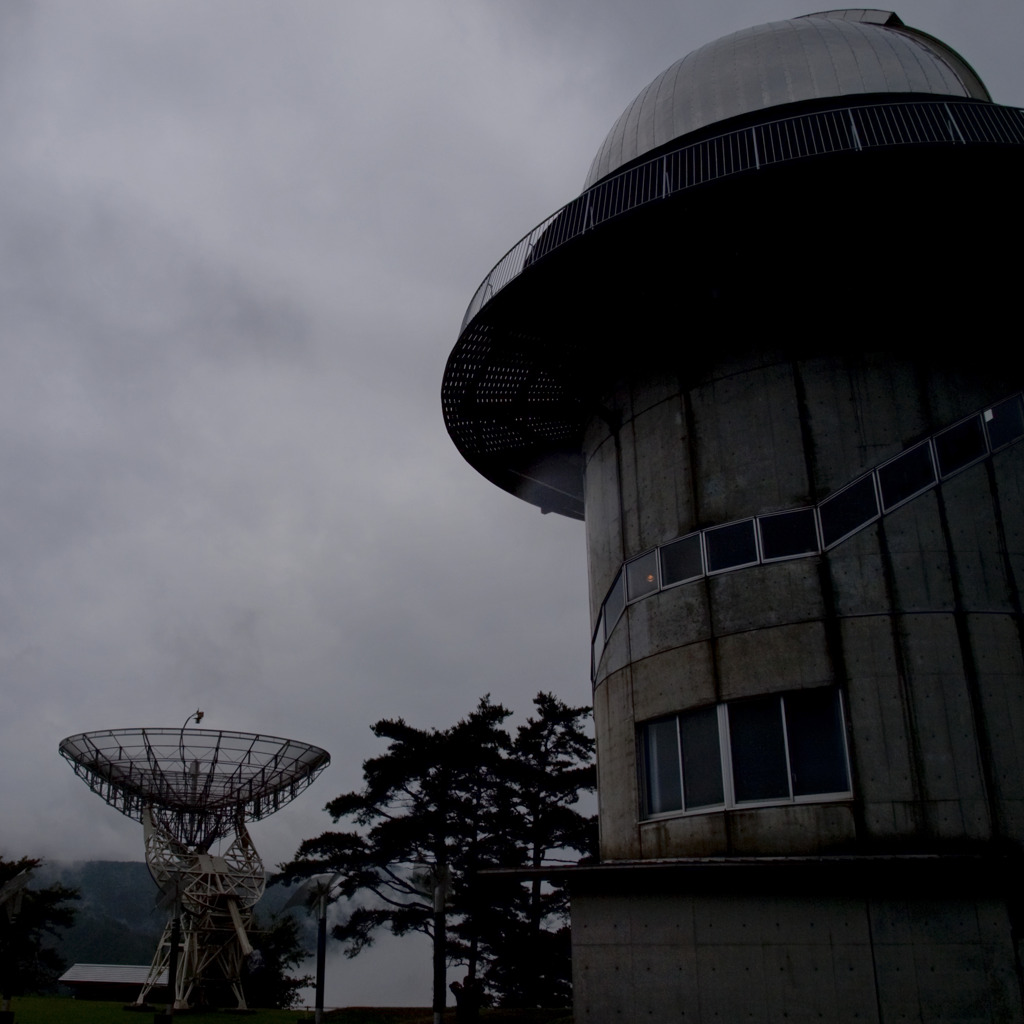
{"x":817,"y":753}
{"x":788,"y":534}
{"x":661,"y":767}
{"x":1005,"y":422}
{"x":702,"y":758}
{"x":642,"y":576}
{"x":758,"y":750}
{"x":961,"y":445}
{"x":907,"y":475}
{"x":613,"y":604}
{"x":681,"y":560}
{"x":598,"y":648}
{"x":730,"y":547}
{"x":848,"y":511}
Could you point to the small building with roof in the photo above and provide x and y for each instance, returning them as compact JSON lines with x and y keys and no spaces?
{"x":112,"y":982}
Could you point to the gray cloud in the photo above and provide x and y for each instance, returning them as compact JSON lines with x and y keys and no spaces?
{"x":238,"y":239}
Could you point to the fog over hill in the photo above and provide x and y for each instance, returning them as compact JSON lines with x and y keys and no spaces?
{"x":118,"y":921}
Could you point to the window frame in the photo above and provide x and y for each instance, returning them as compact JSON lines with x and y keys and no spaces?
{"x":653,"y":584}
{"x":729,"y":802}
{"x":707,"y":541}
{"x":904,"y":456}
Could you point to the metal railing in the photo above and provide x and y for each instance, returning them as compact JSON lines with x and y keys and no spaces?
{"x":838,"y":130}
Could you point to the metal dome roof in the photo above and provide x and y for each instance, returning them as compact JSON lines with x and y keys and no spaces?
{"x":834,"y":53}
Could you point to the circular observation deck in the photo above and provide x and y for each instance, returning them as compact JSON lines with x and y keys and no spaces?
{"x":204,"y":780}
{"x":782,"y":179}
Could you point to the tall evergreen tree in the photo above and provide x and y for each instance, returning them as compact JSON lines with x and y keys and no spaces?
{"x":527,"y":941}
{"x":30,"y":919}
{"x":423,"y":819}
{"x":440,"y":806}
{"x":279,"y":950}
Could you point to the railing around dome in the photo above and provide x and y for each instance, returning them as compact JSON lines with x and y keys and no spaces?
{"x":838,"y":130}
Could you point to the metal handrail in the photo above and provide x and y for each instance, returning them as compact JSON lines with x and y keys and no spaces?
{"x":837,"y":130}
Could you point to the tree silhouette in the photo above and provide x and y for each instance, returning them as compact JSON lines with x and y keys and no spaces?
{"x":441,"y":806}
{"x":28,"y":917}
{"x":278,"y":951}
{"x":549,"y":764}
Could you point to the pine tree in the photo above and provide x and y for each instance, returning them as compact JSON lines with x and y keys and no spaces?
{"x":278,"y":951}
{"x":550,"y":764}
{"x":441,"y":806}
{"x":29,"y":918}
{"x":424,"y":815}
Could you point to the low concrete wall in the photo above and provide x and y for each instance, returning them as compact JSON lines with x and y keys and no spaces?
{"x":914,"y":950}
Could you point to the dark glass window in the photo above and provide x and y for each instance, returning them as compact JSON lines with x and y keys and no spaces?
{"x":681,"y":561}
{"x":848,"y":511}
{"x":613,"y":604}
{"x":788,"y":534}
{"x":758,"y":749}
{"x":817,"y":750}
{"x":1005,"y":422}
{"x":908,"y":474}
{"x":960,"y":446}
{"x":702,"y":758}
{"x":661,"y":767}
{"x":781,"y":747}
{"x":642,"y":576}
{"x":729,"y":547}
{"x":598,"y":648}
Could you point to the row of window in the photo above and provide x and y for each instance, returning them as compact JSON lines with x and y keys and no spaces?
{"x":782,"y":748}
{"x":809,"y":531}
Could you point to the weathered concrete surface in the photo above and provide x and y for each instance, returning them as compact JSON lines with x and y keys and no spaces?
{"x":785,"y":958}
{"x":916,"y":619}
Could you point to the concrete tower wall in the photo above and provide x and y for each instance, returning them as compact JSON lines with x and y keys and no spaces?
{"x":915,"y":618}
{"x":803,"y":500}
{"x":793,"y":958}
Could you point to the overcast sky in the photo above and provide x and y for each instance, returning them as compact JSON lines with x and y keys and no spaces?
{"x":238,"y":237}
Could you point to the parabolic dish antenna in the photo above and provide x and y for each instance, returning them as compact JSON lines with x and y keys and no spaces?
{"x":191,"y":788}
{"x":198,"y":782}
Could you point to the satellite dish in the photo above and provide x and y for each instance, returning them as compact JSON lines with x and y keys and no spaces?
{"x":191,"y":788}
{"x":199,"y":781}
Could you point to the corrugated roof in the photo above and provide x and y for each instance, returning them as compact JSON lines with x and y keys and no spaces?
{"x":109,"y":974}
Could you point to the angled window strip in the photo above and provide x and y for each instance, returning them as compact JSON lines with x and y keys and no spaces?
{"x":800,"y":533}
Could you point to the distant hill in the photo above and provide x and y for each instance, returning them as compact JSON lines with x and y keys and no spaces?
{"x":118,"y":921}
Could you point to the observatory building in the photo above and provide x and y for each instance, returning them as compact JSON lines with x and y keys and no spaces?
{"x":771,"y":356}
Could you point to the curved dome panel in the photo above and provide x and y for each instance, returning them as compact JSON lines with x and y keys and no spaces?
{"x":836,"y":53}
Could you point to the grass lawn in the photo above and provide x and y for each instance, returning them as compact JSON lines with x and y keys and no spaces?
{"x":52,"y":1010}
